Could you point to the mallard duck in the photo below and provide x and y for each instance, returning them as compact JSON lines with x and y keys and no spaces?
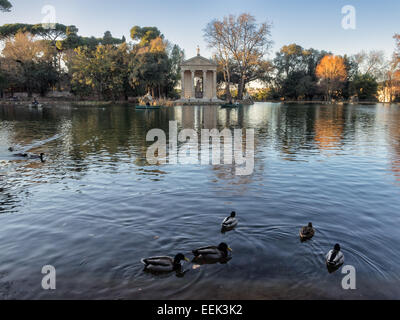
{"x":34,"y":156}
{"x":30,"y":156}
{"x":230,"y":222}
{"x":335,"y":258}
{"x":306,"y":233}
{"x":212,"y":252}
{"x":164,"y":264}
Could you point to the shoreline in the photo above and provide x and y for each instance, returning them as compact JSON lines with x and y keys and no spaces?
{"x":331,"y":103}
{"x":176,"y":103}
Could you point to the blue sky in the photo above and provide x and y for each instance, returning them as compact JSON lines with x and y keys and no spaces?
{"x":309,"y":23}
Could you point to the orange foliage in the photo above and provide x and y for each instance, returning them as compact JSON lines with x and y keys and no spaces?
{"x":158,"y":45}
{"x":332,"y":68}
{"x":155,"y":45}
{"x":23,"y":47}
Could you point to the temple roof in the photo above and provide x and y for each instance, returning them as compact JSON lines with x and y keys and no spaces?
{"x":198,"y":61}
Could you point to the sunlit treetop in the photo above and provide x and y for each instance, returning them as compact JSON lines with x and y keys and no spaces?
{"x":332,"y":67}
{"x":145,"y":35}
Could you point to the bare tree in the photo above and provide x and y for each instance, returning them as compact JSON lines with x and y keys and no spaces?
{"x":240,"y":40}
{"x":391,"y":81}
{"x":372,"y":62}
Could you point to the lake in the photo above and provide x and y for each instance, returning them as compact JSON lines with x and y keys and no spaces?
{"x":96,"y":207}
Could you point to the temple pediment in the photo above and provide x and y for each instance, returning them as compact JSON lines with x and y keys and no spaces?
{"x":199,"y":61}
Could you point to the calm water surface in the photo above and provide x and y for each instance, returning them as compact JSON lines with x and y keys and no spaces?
{"x":96,"y":207}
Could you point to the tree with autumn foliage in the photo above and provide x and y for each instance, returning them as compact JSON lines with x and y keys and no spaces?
{"x":155,"y":67}
{"x":392,"y":76}
{"x":103,"y":71}
{"x":331,"y":72}
{"x":28,"y":64}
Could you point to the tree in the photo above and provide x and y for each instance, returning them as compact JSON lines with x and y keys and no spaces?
{"x":109,"y":39}
{"x":103,"y":71}
{"x":289,"y":59}
{"x":239,"y":39}
{"x":175,"y":58}
{"x":149,"y":71}
{"x":332,"y":73}
{"x":8,"y":31}
{"x":391,"y":83}
{"x":298,"y":85}
{"x":145,"y":35}
{"x":365,"y":87}
{"x":28,"y":64}
{"x":372,"y":63}
{"x":5,"y":5}
{"x":397,"y":39}
{"x":3,"y":81}
{"x":295,"y":71}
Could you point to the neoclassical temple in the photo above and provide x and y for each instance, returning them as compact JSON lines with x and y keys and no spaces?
{"x":199,"y":80}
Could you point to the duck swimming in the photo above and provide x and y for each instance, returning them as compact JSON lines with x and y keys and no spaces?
{"x":164,"y":264}
{"x":306,"y":233}
{"x":212,"y":253}
{"x":335,"y":257}
{"x":230,"y":222}
{"x":30,"y":156}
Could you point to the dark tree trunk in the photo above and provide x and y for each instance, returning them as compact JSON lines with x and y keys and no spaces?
{"x":227,"y":86}
{"x":241,"y":88}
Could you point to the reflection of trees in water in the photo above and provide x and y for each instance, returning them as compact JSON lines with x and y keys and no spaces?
{"x":293,"y":129}
{"x":394,"y":137}
{"x":26,"y":125}
{"x":118,"y":134}
{"x":329,"y":127}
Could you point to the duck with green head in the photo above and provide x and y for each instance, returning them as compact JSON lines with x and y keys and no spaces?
{"x":212,"y":253}
{"x":164,"y":264}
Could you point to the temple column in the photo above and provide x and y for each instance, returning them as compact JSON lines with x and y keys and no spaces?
{"x":214,"y":85}
{"x":204,"y":84}
{"x":183,"y":84}
{"x":192,"y":87}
